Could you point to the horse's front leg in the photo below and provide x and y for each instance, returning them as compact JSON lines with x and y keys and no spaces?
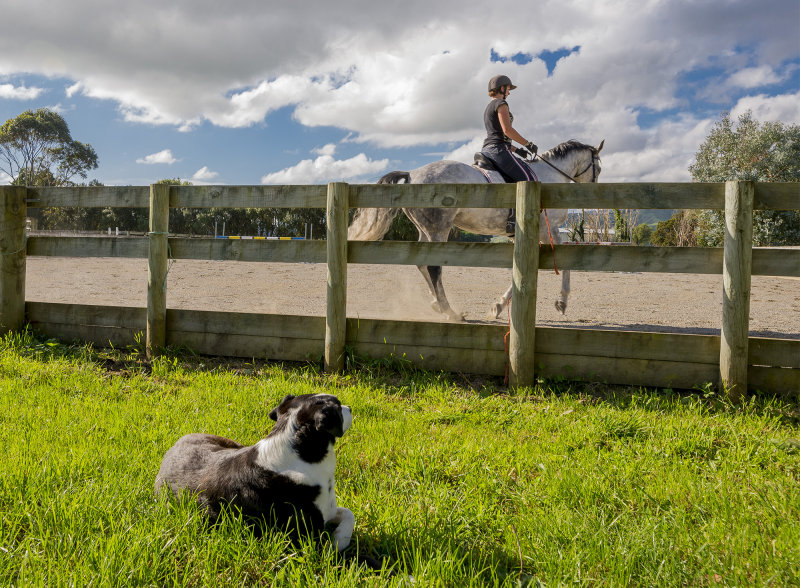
{"x":433,"y":277}
{"x":561,"y":301}
{"x":501,"y":303}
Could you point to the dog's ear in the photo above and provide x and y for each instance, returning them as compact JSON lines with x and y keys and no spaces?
{"x":277,"y":410}
{"x":330,"y":420}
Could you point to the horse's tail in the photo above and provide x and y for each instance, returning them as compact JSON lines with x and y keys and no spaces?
{"x":370,"y":224}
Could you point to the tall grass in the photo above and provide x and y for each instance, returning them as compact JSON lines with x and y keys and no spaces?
{"x":453,"y":483}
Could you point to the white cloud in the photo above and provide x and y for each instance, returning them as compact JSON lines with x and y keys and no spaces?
{"x":327,"y":169}
{"x":73,"y":89}
{"x":59,"y":108}
{"x":328,"y":149}
{"x":204,"y":175}
{"x":11,"y":92}
{"x":754,"y":77}
{"x":164,"y":157}
{"x":784,"y":108}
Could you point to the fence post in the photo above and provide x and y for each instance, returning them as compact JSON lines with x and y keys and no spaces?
{"x":736,"y":271}
{"x":336,"y":316}
{"x":158,"y":260}
{"x":12,"y":258}
{"x":524,"y":278}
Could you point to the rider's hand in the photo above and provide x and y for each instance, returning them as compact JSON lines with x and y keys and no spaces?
{"x":522,"y":152}
{"x":532,"y":148}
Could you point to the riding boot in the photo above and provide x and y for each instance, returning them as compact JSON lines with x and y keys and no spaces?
{"x":511,"y":223}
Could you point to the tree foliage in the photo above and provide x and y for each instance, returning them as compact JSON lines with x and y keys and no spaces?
{"x":276,"y":222}
{"x":641,"y":234}
{"x":680,"y":230}
{"x":750,"y":150}
{"x":36,"y":148}
{"x":621,"y":227}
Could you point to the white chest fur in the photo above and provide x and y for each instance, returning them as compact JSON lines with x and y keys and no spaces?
{"x":276,"y":454}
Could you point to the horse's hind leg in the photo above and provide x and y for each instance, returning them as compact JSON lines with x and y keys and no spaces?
{"x":561,"y":302}
{"x":433,"y":277}
{"x":501,"y":303}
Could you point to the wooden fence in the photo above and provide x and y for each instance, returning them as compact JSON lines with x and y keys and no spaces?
{"x":632,"y":358}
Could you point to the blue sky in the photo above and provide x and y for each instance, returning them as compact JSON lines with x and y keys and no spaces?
{"x":265,"y":92}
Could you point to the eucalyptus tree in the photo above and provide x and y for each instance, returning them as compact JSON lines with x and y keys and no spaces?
{"x":36,"y":148}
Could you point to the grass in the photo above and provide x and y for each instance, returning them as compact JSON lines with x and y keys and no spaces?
{"x":454,"y":482}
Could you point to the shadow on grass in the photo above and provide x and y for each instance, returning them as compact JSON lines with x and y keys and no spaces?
{"x":401,"y":555}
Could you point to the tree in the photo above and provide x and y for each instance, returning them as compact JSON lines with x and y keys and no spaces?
{"x":680,"y":230}
{"x":641,"y":234}
{"x":749,"y":150}
{"x":621,"y":227}
{"x":36,"y":148}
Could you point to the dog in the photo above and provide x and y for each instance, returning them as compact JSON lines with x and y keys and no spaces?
{"x":285,"y":480}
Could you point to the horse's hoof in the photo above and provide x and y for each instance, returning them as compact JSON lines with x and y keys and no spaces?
{"x":561,"y":306}
{"x":498,"y":308}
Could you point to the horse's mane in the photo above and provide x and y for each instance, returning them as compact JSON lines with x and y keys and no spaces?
{"x":567,"y":147}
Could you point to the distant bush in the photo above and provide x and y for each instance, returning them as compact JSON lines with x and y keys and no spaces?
{"x":641,"y":234}
{"x":680,"y":230}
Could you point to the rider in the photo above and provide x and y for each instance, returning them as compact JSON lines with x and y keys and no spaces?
{"x":497,"y":146}
{"x":499,"y":133}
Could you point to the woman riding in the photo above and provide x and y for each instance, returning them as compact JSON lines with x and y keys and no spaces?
{"x":500,"y":132}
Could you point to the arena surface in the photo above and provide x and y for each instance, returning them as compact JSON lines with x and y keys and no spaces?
{"x":680,"y":303}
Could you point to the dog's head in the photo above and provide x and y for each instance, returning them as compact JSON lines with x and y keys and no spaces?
{"x":318,"y":412}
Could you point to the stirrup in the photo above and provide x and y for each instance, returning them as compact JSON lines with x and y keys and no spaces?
{"x":511,"y":223}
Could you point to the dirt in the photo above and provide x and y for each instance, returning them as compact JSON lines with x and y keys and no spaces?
{"x":682,"y":303}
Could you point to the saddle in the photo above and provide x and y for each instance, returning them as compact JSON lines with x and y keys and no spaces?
{"x":484,"y":163}
{"x":494,"y":176}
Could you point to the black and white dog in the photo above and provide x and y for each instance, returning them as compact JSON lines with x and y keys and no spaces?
{"x":286,"y":479}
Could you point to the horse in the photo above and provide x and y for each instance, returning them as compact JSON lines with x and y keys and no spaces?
{"x":568,"y":161}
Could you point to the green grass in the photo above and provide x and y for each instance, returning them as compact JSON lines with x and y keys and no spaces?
{"x":453,"y":482}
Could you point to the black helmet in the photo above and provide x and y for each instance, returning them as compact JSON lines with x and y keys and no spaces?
{"x":500,"y":81}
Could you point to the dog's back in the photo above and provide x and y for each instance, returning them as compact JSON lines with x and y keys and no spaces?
{"x":187,"y":462}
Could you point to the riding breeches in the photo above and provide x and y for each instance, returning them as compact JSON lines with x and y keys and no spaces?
{"x":508,"y":164}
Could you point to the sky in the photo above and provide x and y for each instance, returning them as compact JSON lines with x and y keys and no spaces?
{"x":308,"y":92}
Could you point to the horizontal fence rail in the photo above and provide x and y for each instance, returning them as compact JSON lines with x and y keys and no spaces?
{"x":622,"y":357}
{"x":707,"y":260}
{"x":772,"y":196}
{"x":652,"y":359}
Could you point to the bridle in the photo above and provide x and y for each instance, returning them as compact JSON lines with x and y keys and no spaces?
{"x":569,"y":177}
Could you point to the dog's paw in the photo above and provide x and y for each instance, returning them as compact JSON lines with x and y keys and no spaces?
{"x":343,"y":532}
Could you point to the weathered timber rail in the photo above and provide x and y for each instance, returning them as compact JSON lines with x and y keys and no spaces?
{"x":651,"y":359}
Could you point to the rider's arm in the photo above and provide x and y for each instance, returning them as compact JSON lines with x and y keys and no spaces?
{"x":505,"y":123}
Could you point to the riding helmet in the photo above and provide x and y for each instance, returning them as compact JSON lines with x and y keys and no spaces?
{"x":499,"y":82}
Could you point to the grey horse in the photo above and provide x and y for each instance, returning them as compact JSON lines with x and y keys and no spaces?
{"x":569,"y":161}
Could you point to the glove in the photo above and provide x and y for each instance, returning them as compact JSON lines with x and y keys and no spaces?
{"x":522,"y":152}
{"x":532,"y":148}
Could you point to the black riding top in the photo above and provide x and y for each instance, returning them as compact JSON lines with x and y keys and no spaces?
{"x":494,"y":131}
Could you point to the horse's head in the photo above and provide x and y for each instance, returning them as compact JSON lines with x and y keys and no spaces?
{"x":592,"y":168}
{"x":575,"y":160}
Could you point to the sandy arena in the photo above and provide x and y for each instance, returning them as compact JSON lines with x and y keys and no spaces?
{"x":680,"y":303}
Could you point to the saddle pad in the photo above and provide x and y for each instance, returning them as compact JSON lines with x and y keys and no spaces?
{"x":492,"y":176}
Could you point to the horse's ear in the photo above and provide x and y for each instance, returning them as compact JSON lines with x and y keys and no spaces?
{"x":599,"y":147}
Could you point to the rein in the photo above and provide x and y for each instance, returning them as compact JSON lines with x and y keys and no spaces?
{"x":565,"y":174}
